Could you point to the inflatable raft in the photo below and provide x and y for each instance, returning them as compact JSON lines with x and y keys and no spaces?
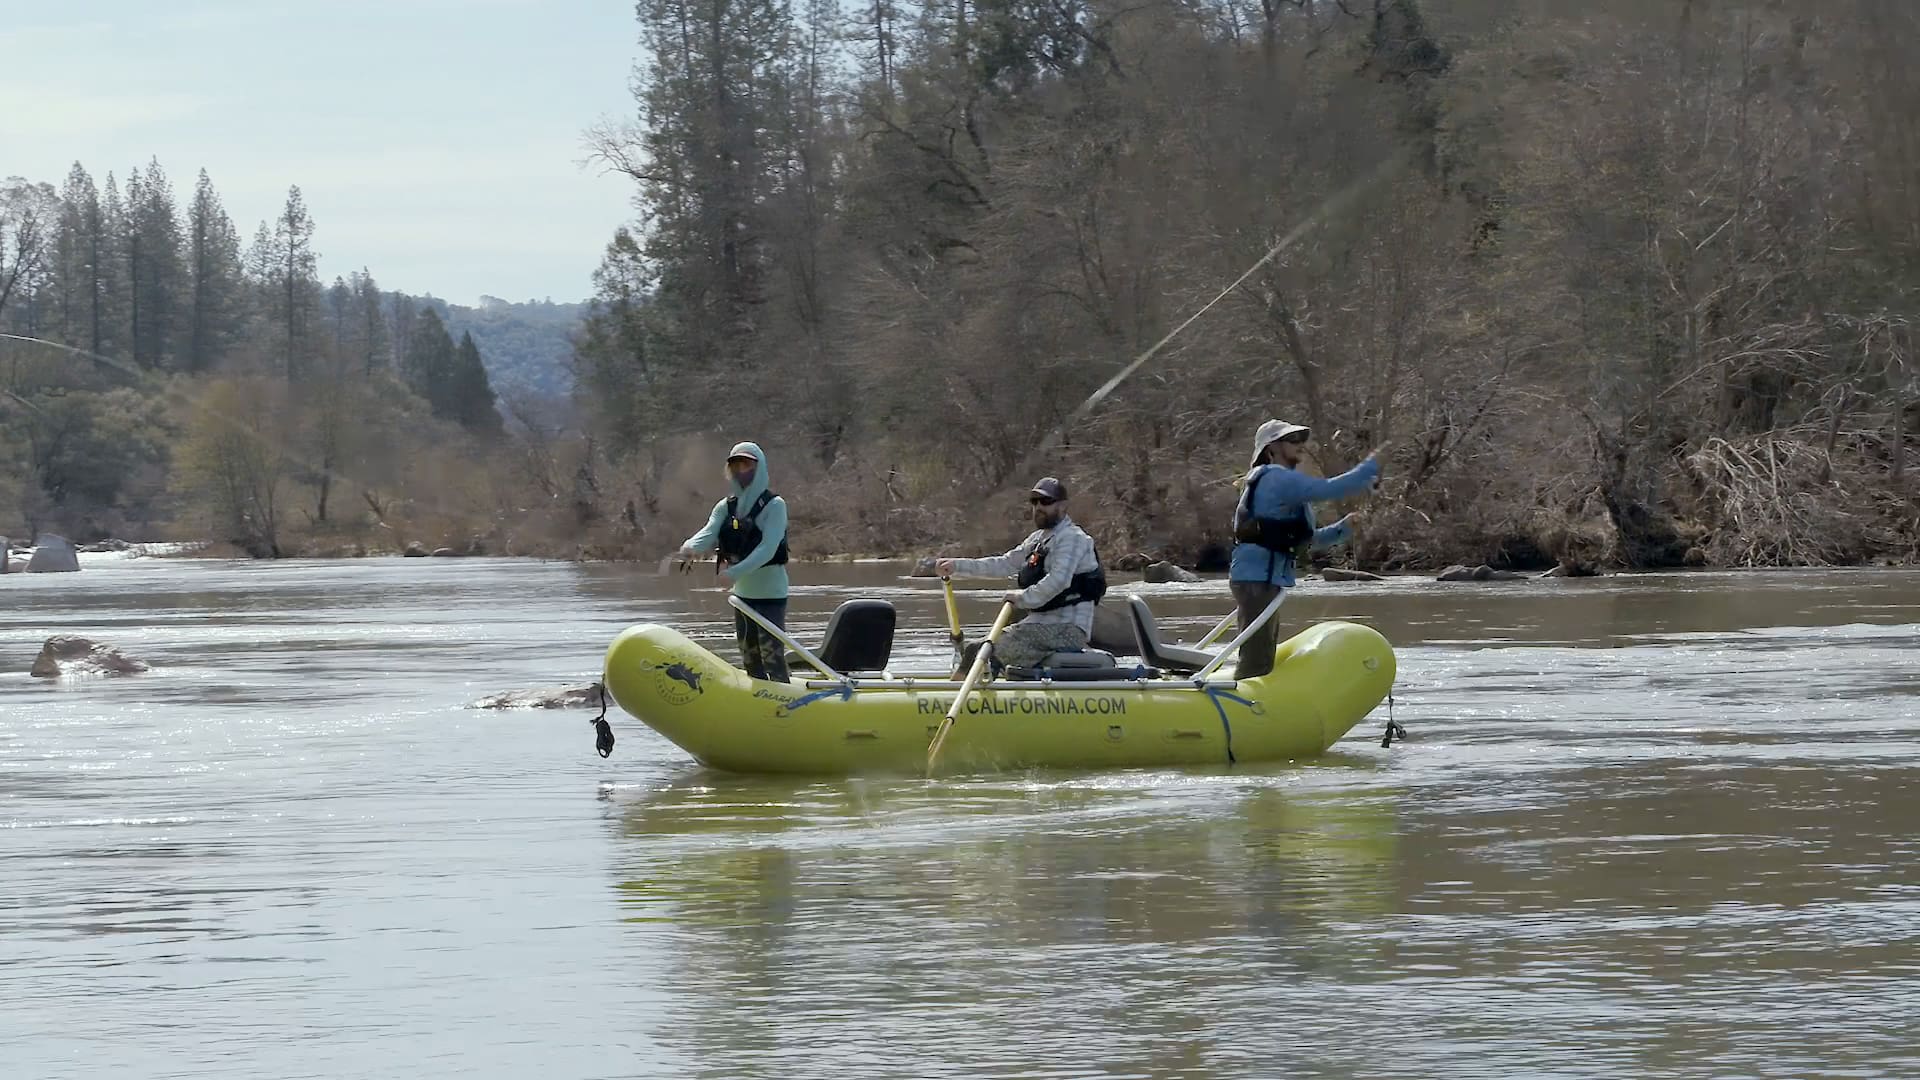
{"x":1089,"y":712}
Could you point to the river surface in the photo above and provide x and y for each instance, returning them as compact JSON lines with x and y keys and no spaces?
{"x":1643,"y":826}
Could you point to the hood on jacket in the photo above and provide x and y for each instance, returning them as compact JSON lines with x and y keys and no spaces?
{"x":760,"y":482}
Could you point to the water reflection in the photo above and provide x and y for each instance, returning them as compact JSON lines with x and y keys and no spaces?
{"x":800,"y":909}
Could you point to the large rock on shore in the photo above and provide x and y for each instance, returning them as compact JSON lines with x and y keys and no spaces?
{"x":53,"y":555}
{"x":550,"y":697}
{"x":67,"y":655}
{"x":415,"y":550}
{"x":1162,"y":573}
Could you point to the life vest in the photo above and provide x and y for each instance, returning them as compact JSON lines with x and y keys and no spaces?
{"x":740,"y":535}
{"x":1086,"y":587}
{"x":1280,"y":535}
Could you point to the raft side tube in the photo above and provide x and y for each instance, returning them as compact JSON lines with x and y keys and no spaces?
{"x":1325,"y":680}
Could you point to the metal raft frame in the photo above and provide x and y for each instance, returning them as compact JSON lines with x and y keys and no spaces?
{"x":889,"y":681}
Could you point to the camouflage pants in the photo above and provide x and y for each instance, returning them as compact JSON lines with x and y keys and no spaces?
{"x":1024,"y":645}
{"x":762,"y":654}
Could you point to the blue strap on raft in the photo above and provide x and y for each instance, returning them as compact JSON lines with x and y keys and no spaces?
{"x":1214,"y":694}
{"x":844,"y":692}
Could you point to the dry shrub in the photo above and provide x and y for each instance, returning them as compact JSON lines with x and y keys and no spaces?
{"x":1784,"y":500}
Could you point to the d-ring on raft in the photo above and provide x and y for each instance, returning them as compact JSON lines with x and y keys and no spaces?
{"x":1079,"y":710}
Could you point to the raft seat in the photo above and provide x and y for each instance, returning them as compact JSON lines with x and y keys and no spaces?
{"x":1146,"y":635}
{"x":859,"y":638}
{"x":1085,"y":665}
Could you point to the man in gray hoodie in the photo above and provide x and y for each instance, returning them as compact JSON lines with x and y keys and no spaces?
{"x":1059,"y":576}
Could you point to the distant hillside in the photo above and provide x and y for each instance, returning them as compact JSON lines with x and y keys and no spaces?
{"x":526,"y":347}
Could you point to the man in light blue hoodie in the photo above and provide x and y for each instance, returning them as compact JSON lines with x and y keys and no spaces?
{"x":1274,"y":526}
{"x":749,"y":530}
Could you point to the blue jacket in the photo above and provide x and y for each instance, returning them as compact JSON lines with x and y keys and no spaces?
{"x":1282,"y":493}
{"x":752,"y":578}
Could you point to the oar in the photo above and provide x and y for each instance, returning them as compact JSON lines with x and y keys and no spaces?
{"x":1219,"y":628}
{"x":966,"y":687}
{"x":953,"y":625}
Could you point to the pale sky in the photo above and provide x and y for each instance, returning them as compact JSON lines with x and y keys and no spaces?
{"x":437,"y":142}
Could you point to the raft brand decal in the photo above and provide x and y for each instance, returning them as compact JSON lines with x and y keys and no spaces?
{"x":677,"y":682}
{"x":1093,"y":706}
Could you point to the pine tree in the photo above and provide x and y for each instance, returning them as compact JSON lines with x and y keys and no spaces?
{"x":401,"y":320}
{"x":155,"y":273}
{"x":74,"y":268}
{"x":370,"y":336}
{"x":112,"y":321}
{"x":469,"y":395}
{"x":430,"y":359}
{"x":214,"y":280}
{"x":295,"y":282}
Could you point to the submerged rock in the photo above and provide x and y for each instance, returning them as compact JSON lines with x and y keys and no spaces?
{"x":1572,"y":569}
{"x":1162,"y":573}
{"x":67,"y":655}
{"x":1479,"y":573}
{"x":1335,"y":573}
{"x":53,"y":555}
{"x":552,"y":697}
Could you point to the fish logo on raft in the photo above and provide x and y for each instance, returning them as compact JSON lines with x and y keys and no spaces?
{"x":676,"y":682}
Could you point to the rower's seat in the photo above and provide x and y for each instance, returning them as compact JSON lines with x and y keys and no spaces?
{"x":859,"y":638}
{"x":1085,"y":665}
{"x":1156,"y":653}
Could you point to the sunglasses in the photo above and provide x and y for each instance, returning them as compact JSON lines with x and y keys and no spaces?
{"x":1040,"y":500}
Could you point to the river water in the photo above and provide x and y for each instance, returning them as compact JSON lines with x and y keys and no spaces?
{"x":1663,"y":825}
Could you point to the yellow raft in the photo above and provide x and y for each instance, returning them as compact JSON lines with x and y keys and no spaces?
{"x":1325,"y":680}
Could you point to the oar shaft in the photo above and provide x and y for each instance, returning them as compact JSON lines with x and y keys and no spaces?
{"x":966,"y":687}
{"x":1219,"y":628}
{"x":953,"y":624}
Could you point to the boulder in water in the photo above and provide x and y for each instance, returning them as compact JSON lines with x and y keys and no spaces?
{"x":415,"y":550}
{"x":1162,"y":573}
{"x":53,"y":555}
{"x":551,"y":697}
{"x":445,"y":553}
{"x":924,"y":568}
{"x":1335,"y":573}
{"x":68,"y":655}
